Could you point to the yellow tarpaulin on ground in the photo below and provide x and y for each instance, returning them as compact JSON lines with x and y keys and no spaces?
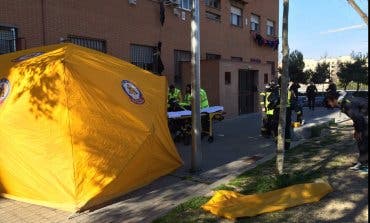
{"x":231,"y":205}
{"x":79,"y":127}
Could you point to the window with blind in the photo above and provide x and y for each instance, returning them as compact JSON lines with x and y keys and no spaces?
{"x":8,"y":39}
{"x":236,"y":16}
{"x":213,"y":16}
{"x":212,"y":56}
{"x":186,"y":4}
{"x":142,"y":56}
{"x":92,"y":43}
{"x":214,"y":3}
{"x":255,"y":23}
{"x":270,"y":28}
{"x":240,"y":59}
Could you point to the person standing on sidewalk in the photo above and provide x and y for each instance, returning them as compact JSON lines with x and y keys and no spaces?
{"x":274,"y":104}
{"x":295,"y":102}
{"x":356,"y":109}
{"x":267,"y":114}
{"x":311,"y":95}
{"x":332,"y":88}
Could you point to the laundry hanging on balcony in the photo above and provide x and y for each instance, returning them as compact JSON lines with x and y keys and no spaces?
{"x":158,"y":64}
{"x":265,"y":42}
{"x":161,"y":12}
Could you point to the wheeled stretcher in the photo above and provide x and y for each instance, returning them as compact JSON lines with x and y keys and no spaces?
{"x":180,"y":123}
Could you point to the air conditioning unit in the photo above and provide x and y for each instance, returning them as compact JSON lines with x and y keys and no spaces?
{"x":173,"y":2}
{"x":133,"y":2}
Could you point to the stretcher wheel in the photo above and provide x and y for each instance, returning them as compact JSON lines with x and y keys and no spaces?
{"x":210,"y":139}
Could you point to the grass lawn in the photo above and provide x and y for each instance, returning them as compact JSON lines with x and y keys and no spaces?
{"x":319,"y":157}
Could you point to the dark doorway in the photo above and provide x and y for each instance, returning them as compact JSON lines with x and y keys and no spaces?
{"x":248,"y":80}
{"x":180,"y":56}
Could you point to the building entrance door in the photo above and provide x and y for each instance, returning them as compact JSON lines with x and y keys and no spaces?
{"x":248,"y":80}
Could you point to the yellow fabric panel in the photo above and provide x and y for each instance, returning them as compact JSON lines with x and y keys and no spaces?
{"x":79,"y":138}
{"x":35,"y":157}
{"x":231,"y":205}
{"x":132,"y":124}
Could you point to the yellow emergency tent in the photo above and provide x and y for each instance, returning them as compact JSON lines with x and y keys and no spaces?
{"x":231,"y":205}
{"x":79,"y":127}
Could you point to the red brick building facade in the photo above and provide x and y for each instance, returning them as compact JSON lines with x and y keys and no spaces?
{"x":131,"y":29}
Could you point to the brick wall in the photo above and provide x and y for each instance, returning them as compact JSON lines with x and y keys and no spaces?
{"x":121,"y":24}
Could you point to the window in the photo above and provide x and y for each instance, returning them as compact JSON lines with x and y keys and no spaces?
{"x":186,"y":4}
{"x":8,"y":39}
{"x":236,"y":16}
{"x":142,"y":56}
{"x":213,"y":3}
{"x":95,"y":44}
{"x":270,"y":28}
{"x":227,"y":78}
{"x":213,"y":16}
{"x":265,"y":78}
{"x":255,"y":60}
{"x":237,"y":59}
{"x":255,"y":23}
{"x":211,"y":56}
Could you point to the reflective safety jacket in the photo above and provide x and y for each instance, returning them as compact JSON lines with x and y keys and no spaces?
{"x":203,"y":99}
{"x":176,"y":95}
{"x":186,"y":100}
{"x":264,"y":101}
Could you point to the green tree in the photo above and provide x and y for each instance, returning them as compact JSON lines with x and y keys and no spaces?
{"x":344,"y":74}
{"x":356,"y":71}
{"x":309,"y":74}
{"x":296,"y":66}
{"x":359,"y":69}
{"x":322,"y":73}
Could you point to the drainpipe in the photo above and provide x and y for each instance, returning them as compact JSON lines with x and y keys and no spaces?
{"x":43,"y":22}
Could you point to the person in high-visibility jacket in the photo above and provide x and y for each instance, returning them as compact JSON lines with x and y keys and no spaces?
{"x":203,"y":99}
{"x":274,"y":99}
{"x":174,"y":96}
{"x":267,"y":114}
{"x":186,"y":101}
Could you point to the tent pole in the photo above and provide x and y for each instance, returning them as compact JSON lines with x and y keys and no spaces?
{"x":196,"y":153}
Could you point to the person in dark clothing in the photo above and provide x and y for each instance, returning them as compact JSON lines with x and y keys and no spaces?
{"x":332,"y":88}
{"x":311,"y":95}
{"x":294,"y":88}
{"x":356,"y":109}
{"x":295,"y":103}
{"x":274,"y":104}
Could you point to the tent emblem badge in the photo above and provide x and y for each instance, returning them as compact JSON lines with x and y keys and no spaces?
{"x":4,"y":89}
{"x":132,"y":92}
{"x":27,"y":56}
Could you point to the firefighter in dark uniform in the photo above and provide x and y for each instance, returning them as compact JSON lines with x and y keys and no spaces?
{"x":274,"y":104}
{"x":357,"y":109}
{"x":267,"y":114}
{"x":295,"y":105}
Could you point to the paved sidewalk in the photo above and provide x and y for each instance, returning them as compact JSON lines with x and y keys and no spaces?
{"x":237,"y":147}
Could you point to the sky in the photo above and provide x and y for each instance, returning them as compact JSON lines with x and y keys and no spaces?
{"x":330,"y":28}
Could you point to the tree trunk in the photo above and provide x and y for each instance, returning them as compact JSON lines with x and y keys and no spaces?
{"x":358,"y":86}
{"x":283,"y":93}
